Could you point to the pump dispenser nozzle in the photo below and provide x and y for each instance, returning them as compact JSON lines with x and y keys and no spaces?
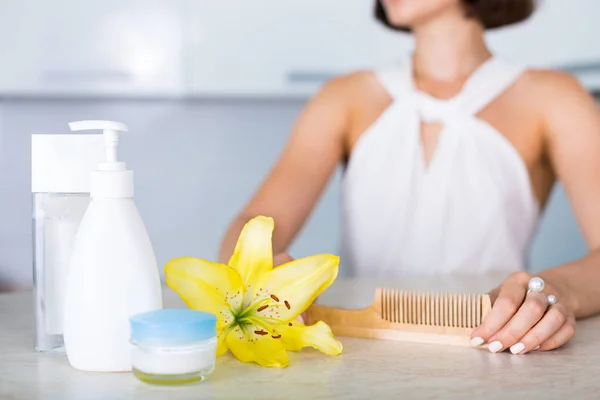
{"x":110,"y":130}
{"x":102,"y":185}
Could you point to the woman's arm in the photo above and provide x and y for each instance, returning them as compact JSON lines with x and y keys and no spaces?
{"x":573,"y":136}
{"x":294,"y":185}
{"x":524,"y":321}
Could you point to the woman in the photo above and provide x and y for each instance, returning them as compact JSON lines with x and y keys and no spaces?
{"x":450,"y":159}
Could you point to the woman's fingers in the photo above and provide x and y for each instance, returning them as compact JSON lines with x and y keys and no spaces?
{"x":531,"y":311}
{"x":562,"y":336}
{"x":552,"y":323}
{"x":523,"y":321}
{"x":509,"y":300}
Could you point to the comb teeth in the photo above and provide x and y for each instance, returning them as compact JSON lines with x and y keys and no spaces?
{"x":457,"y":310}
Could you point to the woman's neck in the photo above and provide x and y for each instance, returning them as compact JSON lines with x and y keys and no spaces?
{"x":448,"y":49}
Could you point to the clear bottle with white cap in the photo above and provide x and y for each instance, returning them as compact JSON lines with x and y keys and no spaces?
{"x":60,"y":186}
{"x":113,"y":271}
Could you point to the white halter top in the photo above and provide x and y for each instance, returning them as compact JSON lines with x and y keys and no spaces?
{"x":471,"y":210}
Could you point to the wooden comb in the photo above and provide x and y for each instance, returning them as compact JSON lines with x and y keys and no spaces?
{"x":424,"y":317}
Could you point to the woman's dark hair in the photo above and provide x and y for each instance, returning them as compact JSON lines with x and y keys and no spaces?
{"x":491,"y":13}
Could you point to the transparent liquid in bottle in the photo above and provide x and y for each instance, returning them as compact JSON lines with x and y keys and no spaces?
{"x":56,"y":218}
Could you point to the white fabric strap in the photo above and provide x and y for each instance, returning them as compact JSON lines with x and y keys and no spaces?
{"x":487,"y":87}
{"x":394,"y":81}
{"x":489,"y":81}
{"x":433,"y":110}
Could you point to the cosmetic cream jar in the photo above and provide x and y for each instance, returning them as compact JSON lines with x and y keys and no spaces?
{"x":173,"y":346}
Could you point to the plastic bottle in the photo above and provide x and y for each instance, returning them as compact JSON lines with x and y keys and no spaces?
{"x":113,"y":271}
{"x":60,"y":189}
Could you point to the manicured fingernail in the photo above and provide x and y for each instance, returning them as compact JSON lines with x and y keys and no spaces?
{"x":495,"y":346}
{"x":476,"y":341}
{"x":537,"y":347}
{"x":517,"y":348}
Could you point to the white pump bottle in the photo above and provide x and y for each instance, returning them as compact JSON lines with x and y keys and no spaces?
{"x":113,"y":270}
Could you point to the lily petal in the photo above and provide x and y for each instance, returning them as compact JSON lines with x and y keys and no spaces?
{"x":206,"y":286}
{"x":263,"y":350}
{"x":253,"y":254}
{"x":317,"y":336}
{"x":222,"y":341}
{"x":290,"y":288}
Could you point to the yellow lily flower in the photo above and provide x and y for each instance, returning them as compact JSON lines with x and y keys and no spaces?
{"x":257,"y":305}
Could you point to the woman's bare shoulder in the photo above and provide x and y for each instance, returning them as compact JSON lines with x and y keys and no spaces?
{"x":354,"y":88}
{"x":565,"y":107}
{"x":547,"y":87}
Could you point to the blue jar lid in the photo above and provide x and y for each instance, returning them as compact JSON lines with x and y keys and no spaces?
{"x":172,"y":326}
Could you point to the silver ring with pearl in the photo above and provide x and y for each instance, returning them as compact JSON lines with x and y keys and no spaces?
{"x":536,"y":284}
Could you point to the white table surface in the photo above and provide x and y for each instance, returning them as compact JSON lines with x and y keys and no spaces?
{"x":367,"y":369}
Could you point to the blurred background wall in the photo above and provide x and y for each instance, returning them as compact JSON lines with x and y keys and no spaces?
{"x":210,"y":94}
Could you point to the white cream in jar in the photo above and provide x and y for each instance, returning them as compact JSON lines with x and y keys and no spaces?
{"x":173,"y":346}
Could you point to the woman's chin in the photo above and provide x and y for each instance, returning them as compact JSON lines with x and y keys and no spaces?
{"x":410,"y":14}
{"x":401,"y":23}
{"x":405,"y":18}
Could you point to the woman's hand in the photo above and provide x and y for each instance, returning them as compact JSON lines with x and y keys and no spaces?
{"x":524,"y":322}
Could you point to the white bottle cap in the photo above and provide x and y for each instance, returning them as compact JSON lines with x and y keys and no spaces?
{"x":110,"y":179}
{"x":62,"y":163}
